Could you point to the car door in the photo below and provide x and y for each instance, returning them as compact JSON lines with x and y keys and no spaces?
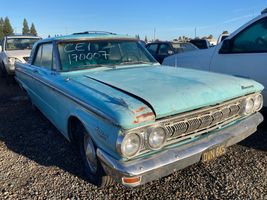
{"x":246,"y":55}
{"x":164,"y":51}
{"x":44,"y":78}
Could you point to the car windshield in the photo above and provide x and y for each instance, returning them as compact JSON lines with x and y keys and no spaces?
{"x":101,"y":53}
{"x":20,"y":43}
{"x":183,"y":47}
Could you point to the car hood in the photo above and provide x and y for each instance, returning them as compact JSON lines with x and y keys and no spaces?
{"x":18,"y":53}
{"x":168,"y":91}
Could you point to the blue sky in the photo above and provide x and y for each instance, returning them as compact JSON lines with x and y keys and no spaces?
{"x":170,"y":18}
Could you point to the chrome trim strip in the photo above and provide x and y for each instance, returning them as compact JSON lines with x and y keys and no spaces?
{"x":163,"y":163}
{"x":76,"y":100}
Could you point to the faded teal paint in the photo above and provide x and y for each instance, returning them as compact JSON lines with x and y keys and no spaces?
{"x":174,"y":90}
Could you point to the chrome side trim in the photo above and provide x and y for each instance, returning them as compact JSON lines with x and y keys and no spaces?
{"x":74,"y":99}
{"x":163,"y":163}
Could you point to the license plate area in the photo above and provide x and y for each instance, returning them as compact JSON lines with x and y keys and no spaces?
{"x":213,"y":153}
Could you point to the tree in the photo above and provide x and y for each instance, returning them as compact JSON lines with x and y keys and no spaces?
{"x":146,"y":39}
{"x":25,"y":29}
{"x":7,"y":28}
{"x":33,"y":30}
{"x":225,"y":32}
{"x":137,"y":36}
{"x":1,"y":28}
{"x":210,"y":36}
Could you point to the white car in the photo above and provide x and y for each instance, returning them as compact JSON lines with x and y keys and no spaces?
{"x":243,"y":53}
{"x":15,"y":48}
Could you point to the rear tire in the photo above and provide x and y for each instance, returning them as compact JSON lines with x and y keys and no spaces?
{"x":93,"y":169}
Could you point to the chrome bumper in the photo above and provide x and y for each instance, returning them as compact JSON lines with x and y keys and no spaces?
{"x":170,"y":160}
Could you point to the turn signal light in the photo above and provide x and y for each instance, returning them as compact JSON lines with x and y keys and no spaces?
{"x":131,"y":180}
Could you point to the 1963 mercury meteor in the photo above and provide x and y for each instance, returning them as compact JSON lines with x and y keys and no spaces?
{"x":133,"y":119}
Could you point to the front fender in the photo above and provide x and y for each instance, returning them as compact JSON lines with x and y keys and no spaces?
{"x":103,"y":133}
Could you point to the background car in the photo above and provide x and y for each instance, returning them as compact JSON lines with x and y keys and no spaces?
{"x":222,"y":37}
{"x":243,"y":53}
{"x":200,"y":43}
{"x":15,"y":48}
{"x":161,"y":50}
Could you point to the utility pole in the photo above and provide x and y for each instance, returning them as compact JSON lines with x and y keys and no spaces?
{"x":195,"y":32}
{"x":154,"y":34}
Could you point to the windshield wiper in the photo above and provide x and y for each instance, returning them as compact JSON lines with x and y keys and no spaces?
{"x":136,"y":62}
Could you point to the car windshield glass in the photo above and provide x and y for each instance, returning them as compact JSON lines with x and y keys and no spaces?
{"x":101,"y":53}
{"x":20,"y":43}
{"x":182,"y":47}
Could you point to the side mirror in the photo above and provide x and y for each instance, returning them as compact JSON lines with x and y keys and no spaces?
{"x":226,"y":46}
{"x":170,"y":52}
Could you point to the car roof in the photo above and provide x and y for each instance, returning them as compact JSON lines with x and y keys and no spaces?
{"x":22,"y":36}
{"x":85,"y":36}
{"x":169,"y":42}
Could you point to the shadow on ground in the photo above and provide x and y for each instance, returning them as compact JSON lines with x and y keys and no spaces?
{"x":29,"y":133}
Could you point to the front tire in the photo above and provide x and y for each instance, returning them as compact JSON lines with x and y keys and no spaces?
{"x":93,"y":169}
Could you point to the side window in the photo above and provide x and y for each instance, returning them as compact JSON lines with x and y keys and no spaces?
{"x":164,"y":49}
{"x":44,"y":56}
{"x":253,"y":39}
{"x":152,"y":48}
{"x":47,"y":56}
{"x":37,"y":60}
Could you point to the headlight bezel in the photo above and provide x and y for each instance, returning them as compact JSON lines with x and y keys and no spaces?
{"x":246,"y":103}
{"x":149,"y":132}
{"x":259,"y":95}
{"x":252,"y":98}
{"x":120,"y":142}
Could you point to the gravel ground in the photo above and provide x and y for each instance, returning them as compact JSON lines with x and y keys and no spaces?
{"x":36,"y":162}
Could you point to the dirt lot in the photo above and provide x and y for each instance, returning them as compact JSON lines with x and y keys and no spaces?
{"x":36,"y":162}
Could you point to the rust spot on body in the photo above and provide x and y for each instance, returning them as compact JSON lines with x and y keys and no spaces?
{"x":140,"y":109}
{"x":144,"y":117}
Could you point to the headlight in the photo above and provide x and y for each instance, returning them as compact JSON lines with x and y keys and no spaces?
{"x":12,"y":60}
{"x":130,"y":144}
{"x":249,"y":106}
{"x":258,"y":102}
{"x":156,"y":137}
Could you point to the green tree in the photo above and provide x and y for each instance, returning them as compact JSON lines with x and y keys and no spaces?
{"x":225,"y":32}
{"x":1,"y":28}
{"x":33,"y":30}
{"x":25,"y":29}
{"x":146,"y":40}
{"x":137,"y":36}
{"x":210,"y":36}
{"x":7,"y":28}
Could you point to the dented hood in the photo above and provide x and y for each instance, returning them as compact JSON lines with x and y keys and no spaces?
{"x":168,"y":90}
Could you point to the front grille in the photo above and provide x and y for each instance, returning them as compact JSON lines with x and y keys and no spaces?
{"x":200,"y":121}
{"x":26,"y":59}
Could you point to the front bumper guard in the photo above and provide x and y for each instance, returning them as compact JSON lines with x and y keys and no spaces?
{"x":173,"y":159}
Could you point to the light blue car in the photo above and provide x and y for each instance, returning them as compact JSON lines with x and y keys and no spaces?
{"x":134,"y":120}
